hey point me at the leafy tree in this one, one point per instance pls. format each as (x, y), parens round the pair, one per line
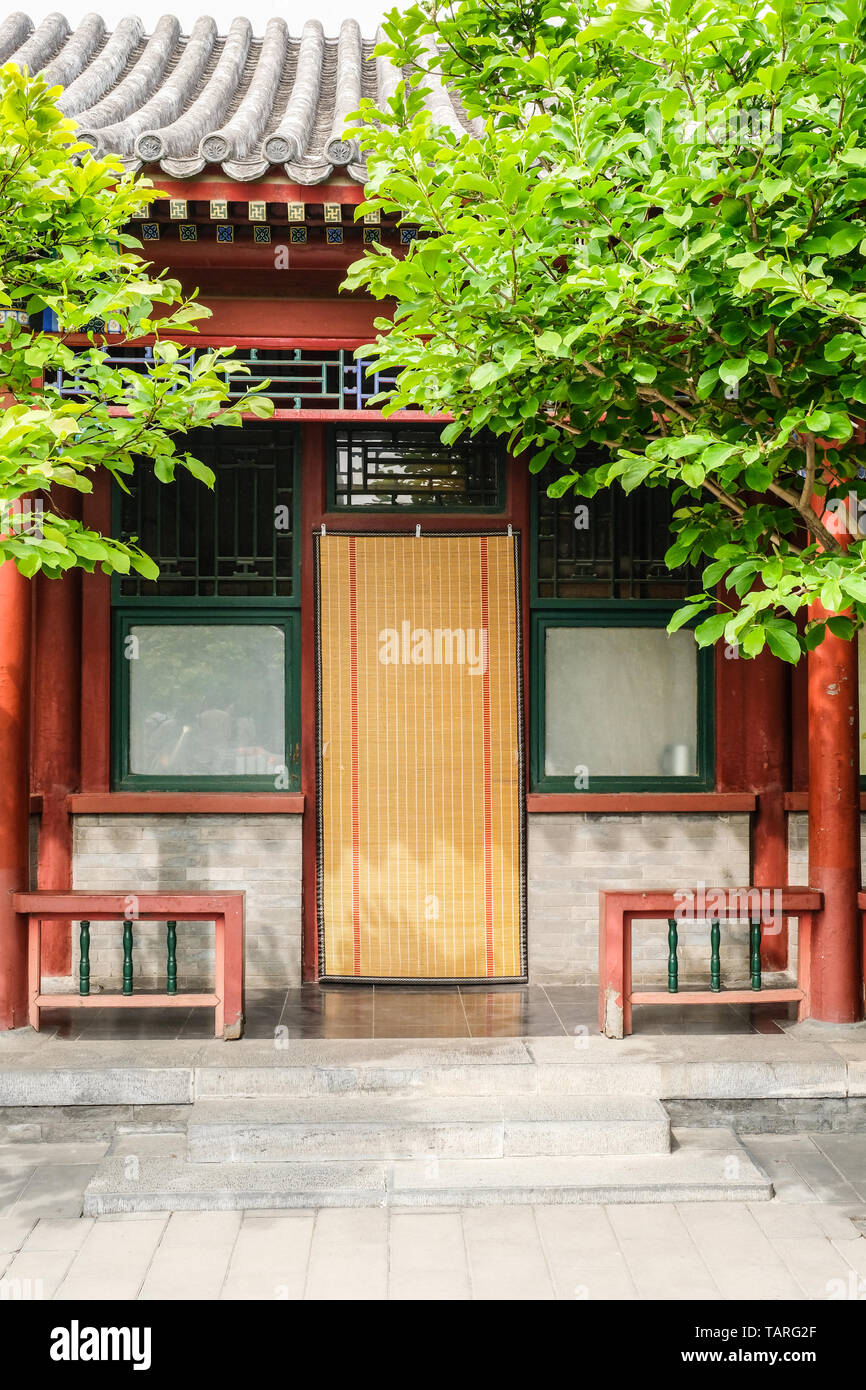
(63, 249)
(653, 241)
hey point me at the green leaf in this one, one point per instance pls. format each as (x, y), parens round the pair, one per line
(685, 615)
(711, 629)
(733, 369)
(784, 644)
(486, 374)
(840, 626)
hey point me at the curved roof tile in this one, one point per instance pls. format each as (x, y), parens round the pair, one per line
(238, 101)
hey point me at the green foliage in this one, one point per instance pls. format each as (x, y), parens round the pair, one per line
(63, 248)
(653, 241)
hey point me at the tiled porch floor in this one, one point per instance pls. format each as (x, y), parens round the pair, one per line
(407, 1011)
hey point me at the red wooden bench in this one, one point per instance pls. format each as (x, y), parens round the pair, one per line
(225, 910)
(618, 910)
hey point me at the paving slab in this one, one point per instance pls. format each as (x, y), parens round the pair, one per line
(113, 1260)
(35, 1274)
(427, 1257)
(59, 1233)
(348, 1256)
(506, 1255)
(270, 1256)
(583, 1254)
(14, 1231)
(737, 1252)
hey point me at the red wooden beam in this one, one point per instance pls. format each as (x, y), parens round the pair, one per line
(279, 257)
(671, 802)
(186, 803)
(269, 190)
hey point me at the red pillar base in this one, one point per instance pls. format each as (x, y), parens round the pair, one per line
(836, 967)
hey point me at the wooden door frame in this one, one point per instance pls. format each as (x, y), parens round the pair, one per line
(314, 513)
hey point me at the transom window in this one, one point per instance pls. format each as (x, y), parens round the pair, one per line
(409, 467)
(235, 541)
(611, 546)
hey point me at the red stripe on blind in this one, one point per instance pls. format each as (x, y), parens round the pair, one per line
(353, 704)
(488, 762)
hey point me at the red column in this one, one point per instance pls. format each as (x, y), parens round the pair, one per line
(834, 829)
(753, 752)
(55, 744)
(768, 751)
(15, 601)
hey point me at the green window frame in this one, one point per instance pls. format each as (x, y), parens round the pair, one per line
(435, 507)
(626, 614)
(550, 612)
(126, 780)
(148, 609)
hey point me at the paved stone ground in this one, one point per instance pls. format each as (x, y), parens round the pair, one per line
(806, 1244)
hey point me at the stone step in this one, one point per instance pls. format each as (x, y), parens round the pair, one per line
(379, 1126)
(102, 1085)
(704, 1166)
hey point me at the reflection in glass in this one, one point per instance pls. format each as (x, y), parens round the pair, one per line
(206, 700)
(620, 702)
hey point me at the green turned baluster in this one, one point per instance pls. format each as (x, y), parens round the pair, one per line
(715, 967)
(755, 946)
(127, 958)
(84, 959)
(673, 984)
(171, 943)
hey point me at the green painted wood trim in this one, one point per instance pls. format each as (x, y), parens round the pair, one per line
(127, 957)
(127, 616)
(84, 958)
(715, 963)
(755, 952)
(673, 968)
(171, 953)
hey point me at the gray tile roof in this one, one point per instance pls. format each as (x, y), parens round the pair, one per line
(186, 101)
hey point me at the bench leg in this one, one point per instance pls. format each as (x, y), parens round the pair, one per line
(34, 968)
(804, 962)
(219, 975)
(612, 1000)
(233, 983)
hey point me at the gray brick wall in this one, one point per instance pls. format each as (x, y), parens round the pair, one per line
(572, 857)
(260, 854)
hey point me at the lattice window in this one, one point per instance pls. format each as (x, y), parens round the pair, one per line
(412, 468)
(608, 546)
(236, 541)
(299, 379)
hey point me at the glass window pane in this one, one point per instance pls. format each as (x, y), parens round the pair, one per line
(206, 700)
(620, 702)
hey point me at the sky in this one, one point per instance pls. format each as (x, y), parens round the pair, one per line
(330, 12)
